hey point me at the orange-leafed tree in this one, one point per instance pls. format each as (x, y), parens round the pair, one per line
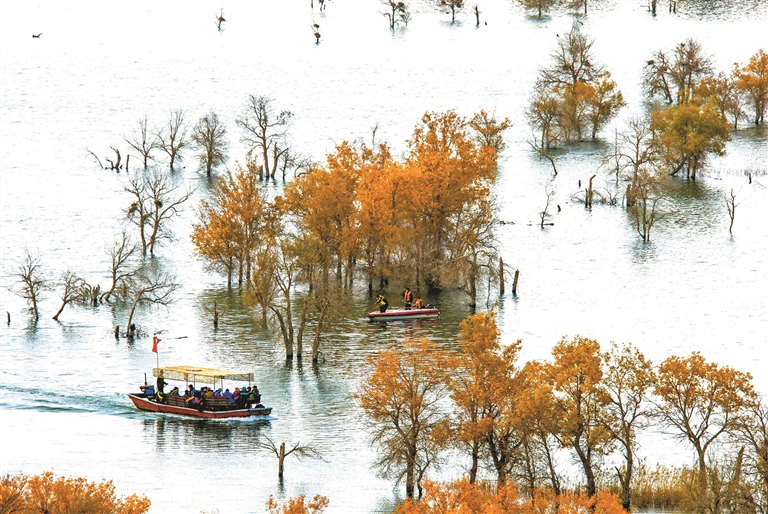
(234, 224)
(700, 401)
(404, 403)
(322, 203)
(535, 419)
(545, 501)
(580, 402)
(452, 172)
(684, 135)
(752, 80)
(461, 497)
(48, 494)
(298, 505)
(379, 196)
(482, 389)
(489, 131)
(628, 380)
(574, 96)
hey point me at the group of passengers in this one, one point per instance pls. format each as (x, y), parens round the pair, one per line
(240, 398)
(196, 398)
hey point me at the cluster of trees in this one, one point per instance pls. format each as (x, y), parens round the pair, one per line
(695, 123)
(155, 199)
(702, 105)
(428, 219)
(515, 420)
(207, 137)
(574, 97)
(48, 494)
(132, 282)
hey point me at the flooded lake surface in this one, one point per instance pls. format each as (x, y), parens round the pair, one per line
(101, 66)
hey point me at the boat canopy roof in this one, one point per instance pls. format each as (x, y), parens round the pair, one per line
(199, 374)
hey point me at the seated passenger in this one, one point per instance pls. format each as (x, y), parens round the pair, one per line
(208, 392)
(228, 396)
(174, 391)
(419, 303)
(217, 394)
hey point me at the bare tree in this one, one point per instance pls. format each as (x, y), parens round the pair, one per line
(142, 141)
(216, 311)
(397, 11)
(542, 152)
(172, 138)
(730, 203)
(150, 287)
(682, 71)
(643, 197)
(452, 5)
(120, 252)
(634, 148)
(281, 453)
(315, 27)
(573, 61)
(33, 282)
(545, 215)
(219, 20)
(265, 130)
(74, 289)
(156, 199)
(209, 136)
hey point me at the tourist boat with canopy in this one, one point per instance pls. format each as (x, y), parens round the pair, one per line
(216, 407)
(402, 314)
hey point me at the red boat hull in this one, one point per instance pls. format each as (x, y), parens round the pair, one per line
(150, 406)
(397, 315)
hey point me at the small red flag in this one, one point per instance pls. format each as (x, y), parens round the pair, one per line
(155, 340)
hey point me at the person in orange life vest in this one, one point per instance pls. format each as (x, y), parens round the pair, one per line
(407, 299)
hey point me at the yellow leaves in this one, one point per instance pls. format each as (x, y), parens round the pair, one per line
(753, 80)
(235, 222)
(461, 497)
(298, 505)
(46, 494)
(693, 384)
(686, 133)
(408, 378)
(577, 365)
(366, 207)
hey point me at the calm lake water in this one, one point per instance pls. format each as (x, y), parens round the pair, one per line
(100, 66)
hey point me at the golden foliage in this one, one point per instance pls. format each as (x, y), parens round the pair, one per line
(686, 134)
(752, 79)
(461, 497)
(298, 505)
(700, 400)
(403, 402)
(47, 494)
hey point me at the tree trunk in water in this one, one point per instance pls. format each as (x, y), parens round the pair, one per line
(280, 460)
(409, 474)
(501, 276)
(514, 282)
(56, 316)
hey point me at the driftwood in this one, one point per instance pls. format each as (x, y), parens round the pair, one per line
(97, 158)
